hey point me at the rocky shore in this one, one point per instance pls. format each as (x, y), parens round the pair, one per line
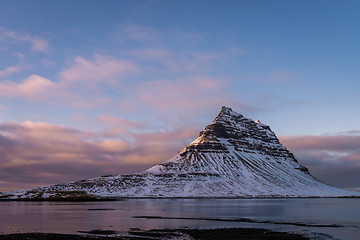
(136, 234)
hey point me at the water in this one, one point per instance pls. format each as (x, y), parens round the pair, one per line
(278, 214)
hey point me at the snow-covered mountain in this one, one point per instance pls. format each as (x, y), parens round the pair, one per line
(233, 157)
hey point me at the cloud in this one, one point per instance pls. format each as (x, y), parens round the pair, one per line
(10, 70)
(37, 44)
(120, 126)
(164, 95)
(334, 159)
(34, 87)
(39, 153)
(338, 143)
(101, 69)
(168, 100)
(19, 56)
(38, 88)
(80, 85)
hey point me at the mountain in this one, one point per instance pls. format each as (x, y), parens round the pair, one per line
(233, 156)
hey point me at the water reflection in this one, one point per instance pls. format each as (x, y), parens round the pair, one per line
(70, 217)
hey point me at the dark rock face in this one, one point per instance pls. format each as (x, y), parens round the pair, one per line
(243, 133)
(233, 156)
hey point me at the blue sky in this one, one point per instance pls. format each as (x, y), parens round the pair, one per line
(128, 76)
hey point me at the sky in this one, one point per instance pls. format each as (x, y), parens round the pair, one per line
(91, 88)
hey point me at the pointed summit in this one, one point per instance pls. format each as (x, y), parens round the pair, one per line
(223, 125)
(243, 133)
(226, 110)
(233, 156)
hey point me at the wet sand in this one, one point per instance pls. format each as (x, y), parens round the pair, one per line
(136, 234)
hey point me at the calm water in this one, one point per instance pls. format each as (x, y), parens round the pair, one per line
(70, 217)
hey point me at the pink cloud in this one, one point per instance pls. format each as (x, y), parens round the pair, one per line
(38, 153)
(120, 126)
(34, 87)
(325, 143)
(48, 154)
(37, 44)
(10, 70)
(162, 62)
(101, 69)
(20, 56)
(169, 99)
(87, 75)
(37, 88)
(333, 159)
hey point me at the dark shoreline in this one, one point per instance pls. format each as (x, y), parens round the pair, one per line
(196, 234)
(168, 198)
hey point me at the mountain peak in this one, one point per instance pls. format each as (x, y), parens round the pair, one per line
(226, 110)
(231, 130)
(231, 125)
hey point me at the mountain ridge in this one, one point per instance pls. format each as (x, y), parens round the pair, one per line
(233, 156)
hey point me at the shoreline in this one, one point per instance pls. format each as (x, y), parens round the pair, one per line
(71, 199)
(187, 233)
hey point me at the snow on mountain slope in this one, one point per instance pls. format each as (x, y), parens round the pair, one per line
(233, 157)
